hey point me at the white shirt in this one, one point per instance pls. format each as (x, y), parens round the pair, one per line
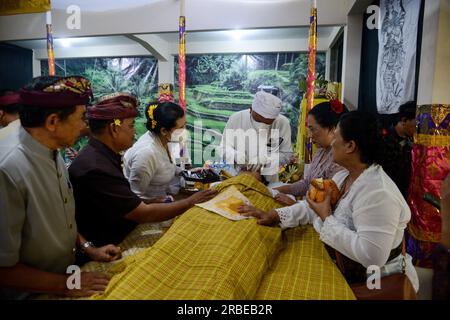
(148, 168)
(366, 225)
(243, 120)
(11, 128)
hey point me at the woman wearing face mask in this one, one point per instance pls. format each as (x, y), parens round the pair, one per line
(148, 164)
(322, 121)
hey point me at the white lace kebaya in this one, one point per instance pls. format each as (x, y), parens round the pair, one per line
(366, 224)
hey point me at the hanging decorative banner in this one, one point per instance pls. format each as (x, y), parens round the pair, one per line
(10, 7)
(311, 82)
(312, 56)
(430, 166)
(182, 58)
(50, 52)
(397, 39)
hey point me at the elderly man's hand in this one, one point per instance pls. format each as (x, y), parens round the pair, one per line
(104, 254)
(202, 196)
(91, 283)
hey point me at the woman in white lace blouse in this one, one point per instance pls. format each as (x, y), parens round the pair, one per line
(322, 121)
(368, 222)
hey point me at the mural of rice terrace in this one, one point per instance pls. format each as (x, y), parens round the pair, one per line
(220, 85)
(216, 85)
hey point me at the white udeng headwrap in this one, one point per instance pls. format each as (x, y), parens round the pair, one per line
(266, 105)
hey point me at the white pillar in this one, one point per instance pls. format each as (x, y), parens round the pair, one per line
(328, 64)
(166, 71)
(434, 74)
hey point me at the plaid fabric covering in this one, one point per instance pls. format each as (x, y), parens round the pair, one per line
(142, 237)
(304, 271)
(205, 256)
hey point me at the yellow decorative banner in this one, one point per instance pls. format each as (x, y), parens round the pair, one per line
(10, 7)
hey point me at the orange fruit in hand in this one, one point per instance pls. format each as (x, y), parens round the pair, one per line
(319, 188)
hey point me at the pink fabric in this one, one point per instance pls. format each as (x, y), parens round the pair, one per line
(322, 166)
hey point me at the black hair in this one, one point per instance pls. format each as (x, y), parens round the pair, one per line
(165, 115)
(325, 116)
(98, 126)
(364, 129)
(407, 110)
(35, 116)
(12, 108)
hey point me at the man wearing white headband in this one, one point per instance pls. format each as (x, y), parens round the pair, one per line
(272, 130)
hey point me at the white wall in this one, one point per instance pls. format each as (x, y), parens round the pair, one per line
(434, 76)
(36, 65)
(352, 60)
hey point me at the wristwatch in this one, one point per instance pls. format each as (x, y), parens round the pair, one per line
(86, 245)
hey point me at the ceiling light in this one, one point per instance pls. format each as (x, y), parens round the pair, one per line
(237, 34)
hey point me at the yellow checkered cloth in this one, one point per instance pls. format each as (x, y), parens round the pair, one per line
(304, 271)
(206, 256)
(142, 237)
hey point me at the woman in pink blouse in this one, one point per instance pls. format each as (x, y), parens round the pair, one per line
(322, 121)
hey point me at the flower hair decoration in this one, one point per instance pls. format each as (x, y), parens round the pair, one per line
(117, 122)
(150, 110)
(336, 106)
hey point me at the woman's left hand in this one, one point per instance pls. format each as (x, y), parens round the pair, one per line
(322, 209)
(106, 253)
(264, 218)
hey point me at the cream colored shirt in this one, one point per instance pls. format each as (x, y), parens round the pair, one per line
(37, 208)
(243, 120)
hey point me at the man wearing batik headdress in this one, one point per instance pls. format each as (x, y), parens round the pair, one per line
(38, 232)
(269, 134)
(106, 207)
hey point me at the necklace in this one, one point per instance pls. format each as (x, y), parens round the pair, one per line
(165, 147)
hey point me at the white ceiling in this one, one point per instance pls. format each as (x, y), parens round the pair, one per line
(204, 36)
(102, 5)
(256, 34)
(106, 5)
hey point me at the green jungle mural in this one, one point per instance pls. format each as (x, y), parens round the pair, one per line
(217, 85)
